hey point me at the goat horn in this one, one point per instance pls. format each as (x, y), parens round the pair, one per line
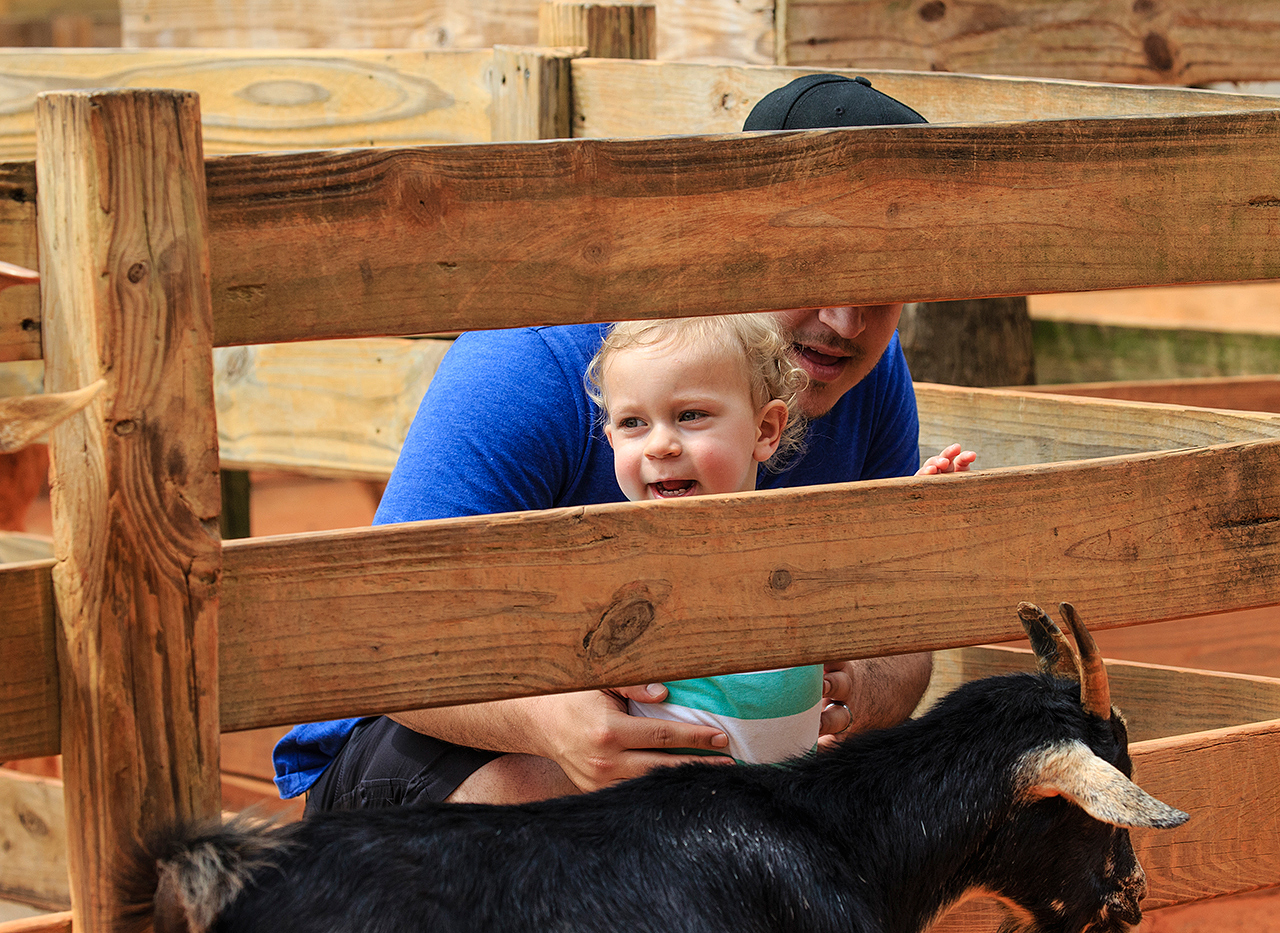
(1054, 653)
(23, 418)
(1095, 693)
(16, 275)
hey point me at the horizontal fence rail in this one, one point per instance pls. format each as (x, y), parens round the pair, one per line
(362, 242)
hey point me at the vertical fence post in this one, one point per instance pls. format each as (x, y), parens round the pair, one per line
(124, 265)
(605, 30)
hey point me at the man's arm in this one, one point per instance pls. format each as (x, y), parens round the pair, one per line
(588, 734)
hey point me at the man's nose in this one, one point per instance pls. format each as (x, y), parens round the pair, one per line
(848, 322)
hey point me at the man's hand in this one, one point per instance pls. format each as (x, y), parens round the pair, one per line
(874, 693)
(951, 460)
(596, 742)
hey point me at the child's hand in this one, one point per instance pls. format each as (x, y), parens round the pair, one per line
(951, 460)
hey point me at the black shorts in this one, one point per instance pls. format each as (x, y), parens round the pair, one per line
(384, 764)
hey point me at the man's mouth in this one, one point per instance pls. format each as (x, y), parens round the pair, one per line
(821, 366)
(673, 489)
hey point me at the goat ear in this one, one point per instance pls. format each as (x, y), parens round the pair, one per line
(1071, 770)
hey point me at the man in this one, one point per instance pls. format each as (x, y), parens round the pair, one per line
(506, 425)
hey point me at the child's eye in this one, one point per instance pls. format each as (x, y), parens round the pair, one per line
(692, 415)
(629, 422)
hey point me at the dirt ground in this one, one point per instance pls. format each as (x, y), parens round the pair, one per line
(283, 503)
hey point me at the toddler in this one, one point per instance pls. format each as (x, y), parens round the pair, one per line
(691, 407)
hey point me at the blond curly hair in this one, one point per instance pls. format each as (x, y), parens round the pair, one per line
(766, 353)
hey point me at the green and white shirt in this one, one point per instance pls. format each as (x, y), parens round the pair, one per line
(767, 715)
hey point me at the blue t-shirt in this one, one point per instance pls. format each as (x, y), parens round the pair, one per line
(506, 425)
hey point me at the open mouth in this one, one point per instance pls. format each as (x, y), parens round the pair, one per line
(673, 489)
(821, 366)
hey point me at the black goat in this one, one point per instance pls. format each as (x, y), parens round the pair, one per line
(1014, 786)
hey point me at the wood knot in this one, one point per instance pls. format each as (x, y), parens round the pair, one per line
(933, 11)
(1159, 55)
(137, 272)
(628, 616)
(780, 579)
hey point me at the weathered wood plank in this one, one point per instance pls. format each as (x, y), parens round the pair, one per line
(1008, 427)
(254, 99)
(449, 238)
(722, 30)
(385, 24)
(1226, 779)
(33, 841)
(1242, 393)
(1157, 700)
(124, 269)
(604, 30)
(978, 211)
(1242, 642)
(333, 408)
(1101, 40)
(468, 609)
(48, 923)
(531, 93)
(1234, 309)
(29, 705)
(665, 98)
(1068, 351)
(354, 609)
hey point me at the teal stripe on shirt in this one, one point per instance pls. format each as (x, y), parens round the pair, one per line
(779, 693)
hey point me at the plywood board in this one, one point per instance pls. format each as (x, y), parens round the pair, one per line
(251, 100)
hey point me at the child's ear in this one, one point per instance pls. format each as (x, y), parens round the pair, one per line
(770, 421)
(608, 433)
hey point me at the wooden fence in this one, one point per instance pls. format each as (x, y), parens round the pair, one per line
(163, 637)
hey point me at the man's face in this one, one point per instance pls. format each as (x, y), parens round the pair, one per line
(837, 347)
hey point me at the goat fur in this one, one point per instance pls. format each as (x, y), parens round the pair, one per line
(992, 791)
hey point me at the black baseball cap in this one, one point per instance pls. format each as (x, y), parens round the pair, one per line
(822, 100)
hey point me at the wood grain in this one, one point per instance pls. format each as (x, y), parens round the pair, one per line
(666, 98)
(531, 93)
(1099, 40)
(708, 30)
(253, 99)
(604, 30)
(1243, 393)
(1008, 427)
(29, 674)
(384, 24)
(467, 609)
(124, 280)
(333, 408)
(449, 238)
(1157, 700)
(33, 841)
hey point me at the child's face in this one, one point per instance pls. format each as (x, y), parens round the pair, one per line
(682, 422)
